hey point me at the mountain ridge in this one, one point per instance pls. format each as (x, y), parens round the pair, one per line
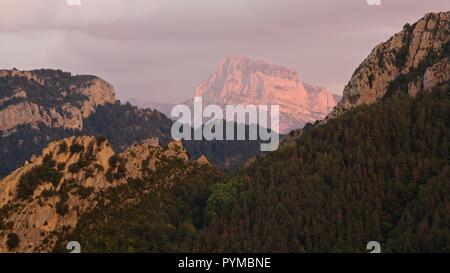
(52, 97)
(413, 60)
(239, 80)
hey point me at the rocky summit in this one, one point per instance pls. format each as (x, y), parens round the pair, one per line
(240, 80)
(413, 60)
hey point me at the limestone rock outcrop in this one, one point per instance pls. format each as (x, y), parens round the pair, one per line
(413, 60)
(51, 97)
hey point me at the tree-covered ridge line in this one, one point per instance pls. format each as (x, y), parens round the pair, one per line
(46, 87)
(123, 125)
(378, 172)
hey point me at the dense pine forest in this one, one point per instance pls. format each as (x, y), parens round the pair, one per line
(378, 172)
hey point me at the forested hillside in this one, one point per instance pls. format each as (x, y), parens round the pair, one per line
(123, 125)
(378, 172)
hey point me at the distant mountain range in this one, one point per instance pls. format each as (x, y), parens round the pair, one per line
(241, 81)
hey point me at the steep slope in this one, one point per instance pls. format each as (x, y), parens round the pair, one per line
(123, 125)
(239, 80)
(415, 59)
(378, 172)
(157, 220)
(47, 196)
(375, 173)
(40, 106)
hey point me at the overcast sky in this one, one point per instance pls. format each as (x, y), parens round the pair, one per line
(160, 50)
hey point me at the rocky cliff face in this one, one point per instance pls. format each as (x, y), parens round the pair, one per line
(50, 192)
(51, 97)
(415, 59)
(239, 80)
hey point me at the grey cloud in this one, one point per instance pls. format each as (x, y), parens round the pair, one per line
(162, 49)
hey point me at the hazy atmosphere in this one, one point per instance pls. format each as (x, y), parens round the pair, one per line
(160, 50)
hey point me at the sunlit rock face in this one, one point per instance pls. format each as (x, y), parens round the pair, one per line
(239, 80)
(413, 60)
